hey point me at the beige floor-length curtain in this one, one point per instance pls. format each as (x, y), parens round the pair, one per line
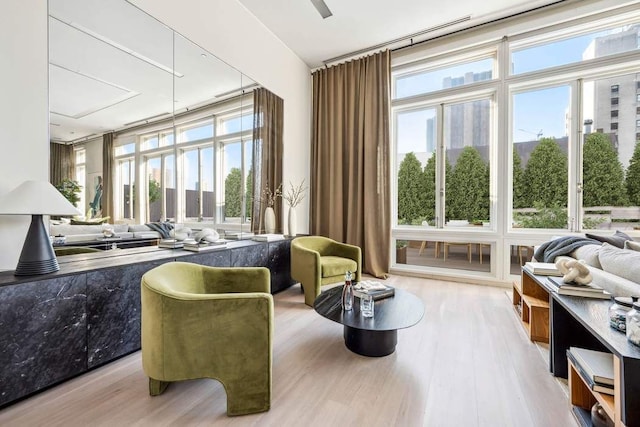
(350, 157)
(267, 154)
(62, 161)
(107, 176)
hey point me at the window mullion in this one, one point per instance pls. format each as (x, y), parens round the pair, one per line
(441, 155)
(576, 138)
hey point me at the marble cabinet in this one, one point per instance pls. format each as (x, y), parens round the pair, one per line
(57, 326)
(279, 263)
(113, 312)
(43, 329)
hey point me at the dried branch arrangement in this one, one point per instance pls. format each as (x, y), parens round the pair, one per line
(268, 197)
(294, 194)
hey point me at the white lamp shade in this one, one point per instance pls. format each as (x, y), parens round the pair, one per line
(36, 198)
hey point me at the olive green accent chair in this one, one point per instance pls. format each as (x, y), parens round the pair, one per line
(207, 322)
(317, 261)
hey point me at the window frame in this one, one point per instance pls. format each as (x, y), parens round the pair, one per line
(167, 129)
(502, 236)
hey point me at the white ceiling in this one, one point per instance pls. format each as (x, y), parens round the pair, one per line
(111, 65)
(359, 24)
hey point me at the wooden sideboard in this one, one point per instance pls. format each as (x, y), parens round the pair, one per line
(584, 322)
(57, 326)
(567, 321)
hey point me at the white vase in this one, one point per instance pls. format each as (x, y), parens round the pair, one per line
(292, 222)
(269, 220)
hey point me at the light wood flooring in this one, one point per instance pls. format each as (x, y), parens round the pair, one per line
(467, 363)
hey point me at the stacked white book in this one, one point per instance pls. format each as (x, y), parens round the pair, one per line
(578, 290)
(170, 244)
(238, 235)
(376, 289)
(268, 237)
(194, 246)
(542, 268)
(595, 367)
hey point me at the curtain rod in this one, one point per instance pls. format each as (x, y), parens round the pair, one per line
(399, 39)
(492, 21)
(438, 27)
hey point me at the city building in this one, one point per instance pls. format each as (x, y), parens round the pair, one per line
(614, 103)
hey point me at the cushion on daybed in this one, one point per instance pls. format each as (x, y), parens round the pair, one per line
(589, 254)
(632, 245)
(624, 263)
(616, 240)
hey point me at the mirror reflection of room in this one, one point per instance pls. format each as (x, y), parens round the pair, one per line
(147, 127)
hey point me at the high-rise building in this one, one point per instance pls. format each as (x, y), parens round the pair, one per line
(467, 124)
(614, 103)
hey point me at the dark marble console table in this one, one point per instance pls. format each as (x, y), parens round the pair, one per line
(56, 326)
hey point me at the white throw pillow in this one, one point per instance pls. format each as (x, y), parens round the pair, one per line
(588, 253)
(632, 245)
(621, 262)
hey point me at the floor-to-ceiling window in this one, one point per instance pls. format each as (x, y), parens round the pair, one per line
(444, 130)
(532, 133)
(197, 169)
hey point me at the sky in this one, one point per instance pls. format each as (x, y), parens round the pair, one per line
(232, 152)
(540, 112)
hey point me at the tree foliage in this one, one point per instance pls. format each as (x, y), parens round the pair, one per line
(411, 190)
(519, 191)
(154, 190)
(468, 187)
(430, 188)
(603, 174)
(249, 193)
(554, 216)
(545, 175)
(632, 181)
(233, 193)
(70, 189)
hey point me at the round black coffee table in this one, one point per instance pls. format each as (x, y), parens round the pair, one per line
(371, 336)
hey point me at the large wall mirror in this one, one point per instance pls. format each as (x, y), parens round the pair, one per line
(177, 121)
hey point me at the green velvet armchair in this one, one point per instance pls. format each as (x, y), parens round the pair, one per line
(317, 261)
(207, 322)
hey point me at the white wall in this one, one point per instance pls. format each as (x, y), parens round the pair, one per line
(232, 33)
(24, 111)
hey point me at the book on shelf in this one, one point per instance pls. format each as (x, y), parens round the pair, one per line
(204, 247)
(585, 294)
(267, 237)
(193, 243)
(578, 290)
(542, 268)
(238, 235)
(376, 289)
(193, 246)
(170, 244)
(558, 283)
(595, 367)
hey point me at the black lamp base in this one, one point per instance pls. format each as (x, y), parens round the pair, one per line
(37, 256)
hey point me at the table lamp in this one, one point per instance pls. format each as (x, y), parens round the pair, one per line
(36, 198)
